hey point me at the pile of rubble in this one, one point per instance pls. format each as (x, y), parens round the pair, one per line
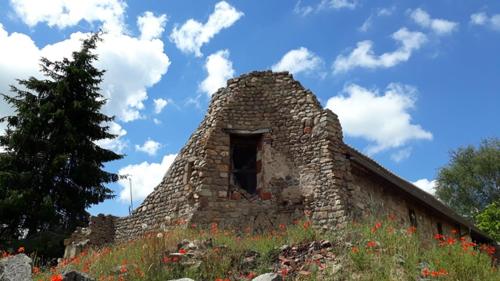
(305, 258)
(289, 261)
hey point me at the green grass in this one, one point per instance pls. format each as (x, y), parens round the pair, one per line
(381, 251)
(385, 251)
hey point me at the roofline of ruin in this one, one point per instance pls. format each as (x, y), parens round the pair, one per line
(413, 190)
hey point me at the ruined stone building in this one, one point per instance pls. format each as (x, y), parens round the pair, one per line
(266, 152)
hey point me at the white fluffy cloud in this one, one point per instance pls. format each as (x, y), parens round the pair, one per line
(132, 65)
(159, 105)
(15, 64)
(66, 13)
(117, 144)
(219, 69)
(426, 185)
(383, 119)
(150, 147)
(363, 55)
(151, 26)
(297, 61)
(145, 177)
(192, 35)
(439, 26)
(481, 18)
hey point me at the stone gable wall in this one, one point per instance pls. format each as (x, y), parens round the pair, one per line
(302, 161)
(302, 164)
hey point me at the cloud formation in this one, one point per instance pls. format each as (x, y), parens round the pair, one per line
(159, 105)
(219, 69)
(67, 13)
(151, 26)
(132, 65)
(483, 19)
(297, 61)
(381, 12)
(117, 144)
(337, 4)
(304, 10)
(426, 185)
(192, 35)
(383, 119)
(149, 147)
(438, 26)
(145, 177)
(401, 154)
(363, 55)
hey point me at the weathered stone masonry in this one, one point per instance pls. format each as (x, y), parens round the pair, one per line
(301, 163)
(266, 152)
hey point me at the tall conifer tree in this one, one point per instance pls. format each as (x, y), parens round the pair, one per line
(52, 168)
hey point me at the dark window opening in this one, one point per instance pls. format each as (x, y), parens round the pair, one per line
(244, 161)
(440, 228)
(458, 231)
(413, 217)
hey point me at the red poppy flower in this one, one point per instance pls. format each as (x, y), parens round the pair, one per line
(425, 272)
(57, 277)
(307, 224)
(439, 237)
(411, 230)
(284, 272)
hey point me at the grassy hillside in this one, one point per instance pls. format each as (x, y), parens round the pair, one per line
(382, 251)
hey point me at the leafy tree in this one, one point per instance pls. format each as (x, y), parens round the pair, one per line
(471, 181)
(52, 169)
(489, 220)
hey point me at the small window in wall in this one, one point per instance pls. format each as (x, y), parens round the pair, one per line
(244, 161)
(457, 230)
(413, 217)
(440, 228)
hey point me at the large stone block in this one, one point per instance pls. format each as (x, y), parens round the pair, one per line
(15, 268)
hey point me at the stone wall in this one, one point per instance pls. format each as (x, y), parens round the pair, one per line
(302, 165)
(373, 196)
(101, 231)
(299, 155)
(301, 160)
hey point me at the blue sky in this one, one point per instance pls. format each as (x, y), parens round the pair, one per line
(410, 81)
